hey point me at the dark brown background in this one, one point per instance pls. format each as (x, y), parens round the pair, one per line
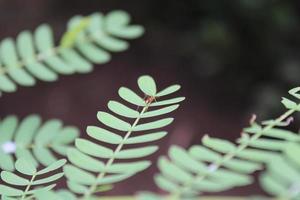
(232, 58)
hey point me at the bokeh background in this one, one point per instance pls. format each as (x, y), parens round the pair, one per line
(232, 58)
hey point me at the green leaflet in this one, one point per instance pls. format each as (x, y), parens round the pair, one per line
(281, 184)
(23, 166)
(13, 179)
(166, 184)
(76, 188)
(31, 140)
(145, 138)
(122, 110)
(93, 149)
(113, 122)
(168, 90)
(52, 167)
(89, 169)
(136, 152)
(103, 135)
(9, 191)
(79, 176)
(147, 85)
(282, 176)
(87, 40)
(218, 145)
(32, 185)
(131, 97)
(153, 125)
(84, 161)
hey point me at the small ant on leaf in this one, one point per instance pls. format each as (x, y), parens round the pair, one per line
(150, 99)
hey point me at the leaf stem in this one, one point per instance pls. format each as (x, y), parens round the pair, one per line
(28, 187)
(93, 187)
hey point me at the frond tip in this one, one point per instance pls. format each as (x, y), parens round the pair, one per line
(89, 170)
(88, 40)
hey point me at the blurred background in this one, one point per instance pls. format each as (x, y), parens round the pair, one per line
(232, 58)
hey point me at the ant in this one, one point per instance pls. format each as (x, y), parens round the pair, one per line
(149, 99)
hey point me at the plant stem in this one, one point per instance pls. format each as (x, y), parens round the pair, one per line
(176, 195)
(28, 187)
(93, 187)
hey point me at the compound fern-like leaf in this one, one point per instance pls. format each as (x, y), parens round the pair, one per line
(32, 181)
(88, 40)
(31, 139)
(126, 125)
(218, 165)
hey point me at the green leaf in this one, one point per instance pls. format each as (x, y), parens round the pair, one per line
(44, 155)
(103, 135)
(77, 188)
(279, 134)
(136, 152)
(25, 167)
(268, 144)
(122, 110)
(165, 184)
(168, 90)
(272, 186)
(130, 167)
(85, 162)
(289, 104)
(13, 179)
(204, 154)
(113, 178)
(48, 179)
(41, 190)
(113, 122)
(292, 151)
(66, 135)
(93, 149)
(170, 170)
(159, 112)
(294, 92)
(115, 23)
(27, 130)
(211, 186)
(78, 175)
(219, 145)
(9, 191)
(36, 56)
(242, 166)
(153, 125)
(54, 166)
(131, 97)
(8, 126)
(257, 155)
(147, 85)
(231, 177)
(7, 162)
(145, 138)
(47, 132)
(168, 102)
(181, 158)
